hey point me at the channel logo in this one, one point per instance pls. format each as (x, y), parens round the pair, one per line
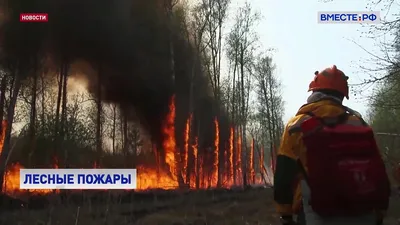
(362, 17)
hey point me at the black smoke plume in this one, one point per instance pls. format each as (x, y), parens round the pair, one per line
(128, 43)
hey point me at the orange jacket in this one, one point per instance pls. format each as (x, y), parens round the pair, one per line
(287, 191)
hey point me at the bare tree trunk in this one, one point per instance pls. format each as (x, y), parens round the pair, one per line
(219, 158)
(98, 120)
(233, 121)
(63, 122)
(121, 129)
(273, 108)
(135, 142)
(221, 154)
(191, 140)
(244, 120)
(261, 166)
(169, 5)
(264, 81)
(5, 153)
(234, 155)
(3, 87)
(114, 128)
(190, 158)
(169, 11)
(32, 125)
(199, 173)
(58, 107)
(198, 39)
(125, 133)
(256, 160)
(214, 18)
(43, 113)
(12, 84)
(219, 55)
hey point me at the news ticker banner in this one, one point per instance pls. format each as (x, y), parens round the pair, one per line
(355, 17)
(77, 179)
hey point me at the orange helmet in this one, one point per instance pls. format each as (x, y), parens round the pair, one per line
(330, 79)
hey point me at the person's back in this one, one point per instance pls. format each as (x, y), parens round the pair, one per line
(325, 150)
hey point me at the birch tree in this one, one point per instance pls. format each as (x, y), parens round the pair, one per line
(269, 101)
(214, 13)
(241, 44)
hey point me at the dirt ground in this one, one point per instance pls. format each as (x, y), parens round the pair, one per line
(253, 207)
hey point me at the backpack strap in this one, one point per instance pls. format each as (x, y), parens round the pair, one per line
(355, 113)
(331, 121)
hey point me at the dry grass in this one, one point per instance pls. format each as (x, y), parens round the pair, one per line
(245, 208)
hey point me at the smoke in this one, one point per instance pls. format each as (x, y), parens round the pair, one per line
(127, 45)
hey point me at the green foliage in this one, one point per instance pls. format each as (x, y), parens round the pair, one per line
(385, 119)
(384, 110)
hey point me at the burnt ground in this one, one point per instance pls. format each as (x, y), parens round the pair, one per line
(224, 207)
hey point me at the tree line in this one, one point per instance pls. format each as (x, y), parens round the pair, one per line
(384, 76)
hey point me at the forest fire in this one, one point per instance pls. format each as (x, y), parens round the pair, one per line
(239, 158)
(186, 152)
(12, 180)
(252, 174)
(216, 152)
(169, 142)
(231, 143)
(194, 167)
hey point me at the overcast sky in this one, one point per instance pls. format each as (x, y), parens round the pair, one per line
(304, 46)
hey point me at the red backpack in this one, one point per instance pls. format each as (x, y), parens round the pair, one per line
(346, 174)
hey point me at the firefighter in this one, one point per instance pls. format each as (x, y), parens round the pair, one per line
(298, 178)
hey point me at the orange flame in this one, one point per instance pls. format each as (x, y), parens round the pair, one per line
(216, 151)
(55, 164)
(169, 143)
(226, 168)
(262, 159)
(201, 169)
(239, 156)
(186, 152)
(195, 153)
(273, 159)
(151, 178)
(12, 178)
(3, 134)
(252, 160)
(157, 159)
(231, 156)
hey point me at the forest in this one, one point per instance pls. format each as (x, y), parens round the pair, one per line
(145, 87)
